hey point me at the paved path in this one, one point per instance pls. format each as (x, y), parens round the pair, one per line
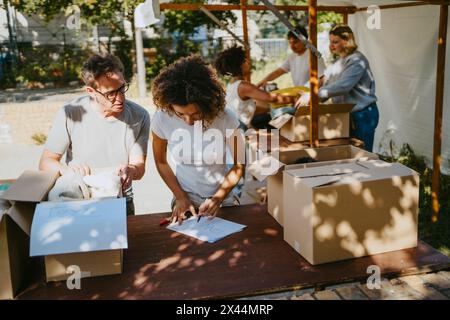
(431, 286)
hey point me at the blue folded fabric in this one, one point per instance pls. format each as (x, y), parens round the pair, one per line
(275, 113)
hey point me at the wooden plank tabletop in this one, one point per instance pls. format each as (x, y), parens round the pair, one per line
(161, 264)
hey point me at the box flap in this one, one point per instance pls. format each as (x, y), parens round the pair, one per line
(347, 173)
(324, 175)
(31, 186)
(79, 226)
(264, 167)
(280, 121)
(327, 109)
(22, 214)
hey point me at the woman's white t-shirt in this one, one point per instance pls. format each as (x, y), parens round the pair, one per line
(298, 66)
(244, 109)
(200, 155)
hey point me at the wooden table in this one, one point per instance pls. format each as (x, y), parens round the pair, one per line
(161, 264)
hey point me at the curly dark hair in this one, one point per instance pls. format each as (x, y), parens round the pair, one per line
(229, 62)
(189, 80)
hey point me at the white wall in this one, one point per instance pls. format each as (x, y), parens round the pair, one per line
(403, 55)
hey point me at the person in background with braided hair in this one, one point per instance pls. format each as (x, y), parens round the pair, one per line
(190, 98)
(240, 94)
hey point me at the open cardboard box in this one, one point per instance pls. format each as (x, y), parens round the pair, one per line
(15, 227)
(334, 122)
(87, 234)
(274, 172)
(348, 210)
(19, 203)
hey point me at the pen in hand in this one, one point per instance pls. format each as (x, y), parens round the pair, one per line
(198, 218)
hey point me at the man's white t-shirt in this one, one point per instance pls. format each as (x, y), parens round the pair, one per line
(298, 66)
(200, 165)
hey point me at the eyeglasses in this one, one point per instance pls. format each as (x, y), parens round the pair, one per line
(112, 95)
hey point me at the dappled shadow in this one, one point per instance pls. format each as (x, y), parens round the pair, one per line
(161, 264)
(353, 214)
(28, 95)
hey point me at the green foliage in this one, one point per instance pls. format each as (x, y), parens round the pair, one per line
(182, 26)
(109, 13)
(436, 234)
(50, 64)
(276, 28)
(123, 50)
(185, 23)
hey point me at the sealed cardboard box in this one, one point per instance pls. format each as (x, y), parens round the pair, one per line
(288, 160)
(89, 235)
(334, 122)
(16, 213)
(348, 210)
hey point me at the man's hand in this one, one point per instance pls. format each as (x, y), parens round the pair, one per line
(81, 169)
(127, 174)
(182, 206)
(210, 207)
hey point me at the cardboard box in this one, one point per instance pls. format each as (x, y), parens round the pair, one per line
(349, 210)
(18, 204)
(89, 234)
(334, 123)
(322, 156)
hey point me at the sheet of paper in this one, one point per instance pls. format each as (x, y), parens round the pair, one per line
(206, 229)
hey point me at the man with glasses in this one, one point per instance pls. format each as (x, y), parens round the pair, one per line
(101, 129)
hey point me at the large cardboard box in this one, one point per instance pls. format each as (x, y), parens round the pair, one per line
(321, 156)
(87, 234)
(349, 210)
(334, 122)
(16, 214)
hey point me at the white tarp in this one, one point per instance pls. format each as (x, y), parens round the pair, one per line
(403, 57)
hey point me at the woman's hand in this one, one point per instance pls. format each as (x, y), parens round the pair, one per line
(182, 206)
(303, 100)
(210, 207)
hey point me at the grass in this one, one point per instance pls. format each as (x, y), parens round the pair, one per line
(436, 234)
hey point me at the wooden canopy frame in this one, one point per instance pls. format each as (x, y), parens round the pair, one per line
(312, 8)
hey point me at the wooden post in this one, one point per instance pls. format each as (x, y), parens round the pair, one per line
(345, 18)
(245, 32)
(313, 76)
(440, 77)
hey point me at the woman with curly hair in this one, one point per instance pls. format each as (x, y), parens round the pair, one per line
(191, 106)
(241, 95)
